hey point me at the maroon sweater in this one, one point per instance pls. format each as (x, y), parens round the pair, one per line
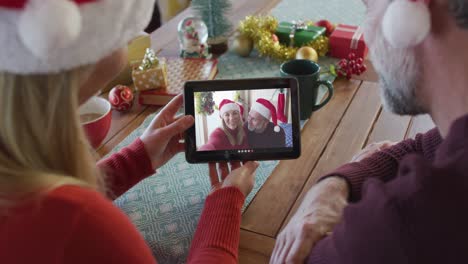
(413, 207)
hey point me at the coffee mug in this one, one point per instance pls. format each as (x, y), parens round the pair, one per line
(307, 74)
(96, 117)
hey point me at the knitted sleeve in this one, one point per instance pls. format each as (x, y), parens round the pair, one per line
(218, 233)
(384, 164)
(369, 232)
(126, 168)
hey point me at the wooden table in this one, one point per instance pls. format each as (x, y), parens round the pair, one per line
(352, 119)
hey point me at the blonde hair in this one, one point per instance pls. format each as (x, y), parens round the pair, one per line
(42, 144)
(240, 132)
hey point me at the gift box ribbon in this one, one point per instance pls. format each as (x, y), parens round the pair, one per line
(295, 26)
(356, 37)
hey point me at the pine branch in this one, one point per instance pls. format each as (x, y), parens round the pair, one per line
(213, 13)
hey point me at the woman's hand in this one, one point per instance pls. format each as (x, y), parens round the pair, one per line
(241, 177)
(161, 138)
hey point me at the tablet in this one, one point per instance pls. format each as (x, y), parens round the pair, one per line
(241, 120)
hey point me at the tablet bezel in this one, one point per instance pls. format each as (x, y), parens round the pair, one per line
(194, 156)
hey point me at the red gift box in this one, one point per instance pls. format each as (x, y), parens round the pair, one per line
(346, 39)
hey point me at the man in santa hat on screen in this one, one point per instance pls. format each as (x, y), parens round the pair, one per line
(408, 201)
(261, 132)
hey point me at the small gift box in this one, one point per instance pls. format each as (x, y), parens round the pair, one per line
(136, 52)
(347, 39)
(151, 73)
(298, 32)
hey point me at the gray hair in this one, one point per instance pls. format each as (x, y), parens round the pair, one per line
(459, 9)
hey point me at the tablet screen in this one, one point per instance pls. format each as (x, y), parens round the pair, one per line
(243, 121)
(249, 119)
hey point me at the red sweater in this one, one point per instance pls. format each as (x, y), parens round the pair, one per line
(412, 208)
(76, 225)
(219, 141)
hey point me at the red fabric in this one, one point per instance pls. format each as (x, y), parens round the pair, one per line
(126, 168)
(12, 3)
(19, 4)
(219, 141)
(218, 233)
(281, 102)
(270, 107)
(412, 207)
(384, 164)
(72, 224)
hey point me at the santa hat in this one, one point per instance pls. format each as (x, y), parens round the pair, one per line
(46, 36)
(266, 109)
(228, 105)
(406, 23)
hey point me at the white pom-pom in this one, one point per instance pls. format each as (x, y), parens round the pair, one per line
(49, 25)
(276, 129)
(406, 23)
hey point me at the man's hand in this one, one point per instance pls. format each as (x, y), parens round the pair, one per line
(371, 149)
(241, 177)
(161, 138)
(319, 212)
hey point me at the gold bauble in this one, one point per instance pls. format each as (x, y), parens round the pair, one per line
(242, 45)
(307, 53)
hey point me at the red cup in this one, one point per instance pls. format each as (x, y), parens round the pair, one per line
(96, 117)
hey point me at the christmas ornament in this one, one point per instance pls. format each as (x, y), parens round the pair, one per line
(242, 45)
(326, 24)
(121, 98)
(193, 35)
(352, 65)
(406, 23)
(260, 30)
(307, 53)
(204, 103)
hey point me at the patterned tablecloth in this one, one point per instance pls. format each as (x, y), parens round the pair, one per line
(166, 207)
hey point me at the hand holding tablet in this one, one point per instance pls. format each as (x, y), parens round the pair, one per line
(249, 119)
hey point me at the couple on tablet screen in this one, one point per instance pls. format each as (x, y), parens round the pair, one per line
(257, 132)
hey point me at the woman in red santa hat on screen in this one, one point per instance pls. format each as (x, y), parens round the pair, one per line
(55, 202)
(231, 134)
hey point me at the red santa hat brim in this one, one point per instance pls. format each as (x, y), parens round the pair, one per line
(229, 107)
(266, 109)
(47, 36)
(262, 110)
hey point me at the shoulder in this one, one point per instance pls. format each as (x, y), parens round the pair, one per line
(86, 204)
(271, 127)
(75, 197)
(97, 222)
(217, 135)
(217, 132)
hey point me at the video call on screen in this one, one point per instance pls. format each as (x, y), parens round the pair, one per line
(243, 121)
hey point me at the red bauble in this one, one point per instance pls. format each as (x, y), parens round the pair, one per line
(121, 98)
(327, 25)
